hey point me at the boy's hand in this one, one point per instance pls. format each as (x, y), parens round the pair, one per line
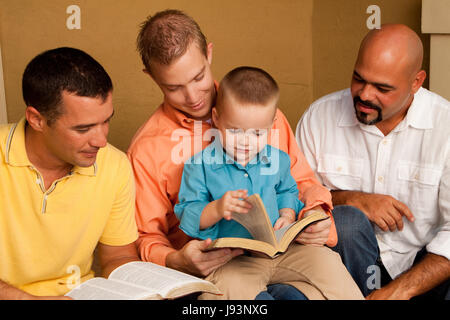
(287, 216)
(233, 201)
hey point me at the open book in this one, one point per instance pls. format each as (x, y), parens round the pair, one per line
(141, 281)
(265, 239)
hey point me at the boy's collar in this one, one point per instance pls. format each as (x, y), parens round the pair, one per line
(262, 158)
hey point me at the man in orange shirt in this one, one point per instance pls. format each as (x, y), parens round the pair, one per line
(177, 57)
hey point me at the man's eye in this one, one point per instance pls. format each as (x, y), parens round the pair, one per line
(200, 78)
(82, 130)
(382, 90)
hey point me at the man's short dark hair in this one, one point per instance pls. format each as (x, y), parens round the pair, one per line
(62, 69)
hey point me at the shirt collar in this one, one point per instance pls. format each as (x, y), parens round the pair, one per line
(347, 118)
(417, 116)
(16, 153)
(262, 158)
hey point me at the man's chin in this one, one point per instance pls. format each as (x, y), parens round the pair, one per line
(85, 163)
(364, 119)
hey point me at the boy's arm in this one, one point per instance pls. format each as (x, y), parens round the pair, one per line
(195, 211)
(286, 189)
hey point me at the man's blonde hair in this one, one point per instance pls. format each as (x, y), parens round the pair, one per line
(166, 36)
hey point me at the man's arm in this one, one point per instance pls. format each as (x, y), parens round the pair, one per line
(111, 257)
(383, 210)
(422, 277)
(8, 292)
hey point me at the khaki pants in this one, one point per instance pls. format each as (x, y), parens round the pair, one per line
(316, 271)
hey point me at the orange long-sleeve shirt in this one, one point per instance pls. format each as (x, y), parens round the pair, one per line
(158, 152)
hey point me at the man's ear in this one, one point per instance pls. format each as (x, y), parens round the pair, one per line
(35, 119)
(418, 80)
(209, 52)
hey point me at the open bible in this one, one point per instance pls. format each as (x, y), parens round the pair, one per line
(265, 239)
(141, 281)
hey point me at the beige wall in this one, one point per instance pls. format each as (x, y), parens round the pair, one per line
(309, 46)
(338, 28)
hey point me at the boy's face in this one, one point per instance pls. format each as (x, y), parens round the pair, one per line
(244, 128)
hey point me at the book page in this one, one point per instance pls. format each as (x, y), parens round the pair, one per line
(104, 289)
(153, 276)
(256, 221)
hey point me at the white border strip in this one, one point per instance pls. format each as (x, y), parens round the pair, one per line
(3, 114)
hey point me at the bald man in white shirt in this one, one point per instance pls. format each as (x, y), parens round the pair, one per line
(383, 147)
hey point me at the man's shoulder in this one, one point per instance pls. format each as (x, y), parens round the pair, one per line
(329, 108)
(5, 129)
(111, 158)
(436, 100)
(436, 107)
(156, 131)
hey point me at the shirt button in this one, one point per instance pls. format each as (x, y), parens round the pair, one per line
(380, 179)
(246, 175)
(339, 169)
(385, 142)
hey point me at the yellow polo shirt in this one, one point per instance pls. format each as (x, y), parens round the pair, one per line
(47, 237)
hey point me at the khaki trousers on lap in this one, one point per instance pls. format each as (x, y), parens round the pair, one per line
(316, 271)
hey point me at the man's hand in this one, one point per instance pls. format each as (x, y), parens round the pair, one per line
(383, 210)
(317, 233)
(193, 258)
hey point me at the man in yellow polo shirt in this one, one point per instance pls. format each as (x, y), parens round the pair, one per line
(63, 189)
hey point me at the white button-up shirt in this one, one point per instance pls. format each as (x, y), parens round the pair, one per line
(411, 164)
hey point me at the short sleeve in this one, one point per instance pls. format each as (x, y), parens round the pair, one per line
(121, 226)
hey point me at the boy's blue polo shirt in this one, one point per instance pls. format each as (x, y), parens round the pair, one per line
(211, 172)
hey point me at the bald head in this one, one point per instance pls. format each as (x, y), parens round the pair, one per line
(394, 44)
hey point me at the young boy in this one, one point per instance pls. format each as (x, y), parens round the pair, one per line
(238, 163)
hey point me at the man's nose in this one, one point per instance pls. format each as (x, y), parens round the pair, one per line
(367, 92)
(191, 94)
(99, 138)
